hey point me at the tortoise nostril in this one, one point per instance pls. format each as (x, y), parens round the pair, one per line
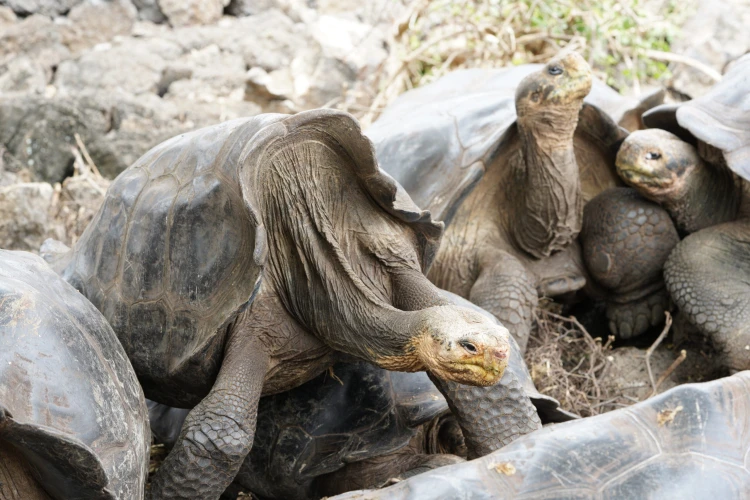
(500, 353)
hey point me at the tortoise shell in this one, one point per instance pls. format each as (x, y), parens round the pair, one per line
(178, 246)
(436, 139)
(69, 400)
(720, 118)
(689, 442)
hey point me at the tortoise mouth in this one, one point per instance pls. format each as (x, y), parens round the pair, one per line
(636, 177)
(473, 371)
(573, 89)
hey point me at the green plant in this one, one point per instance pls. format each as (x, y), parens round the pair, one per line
(625, 43)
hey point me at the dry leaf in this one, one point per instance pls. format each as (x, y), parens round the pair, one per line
(506, 468)
(667, 416)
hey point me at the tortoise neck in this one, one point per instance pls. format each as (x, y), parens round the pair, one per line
(711, 196)
(331, 272)
(545, 187)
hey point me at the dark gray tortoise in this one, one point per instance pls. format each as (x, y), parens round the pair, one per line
(356, 412)
(239, 260)
(697, 166)
(689, 442)
(73, 421)
(507, 159)
(307, 439)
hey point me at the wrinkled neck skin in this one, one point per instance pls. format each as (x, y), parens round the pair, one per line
(709, 197)
(545, 188)
(332, 253)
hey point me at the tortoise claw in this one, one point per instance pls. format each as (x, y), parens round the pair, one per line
(634, 318)
(553, 287)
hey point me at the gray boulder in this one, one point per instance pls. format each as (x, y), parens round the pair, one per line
(22, 75)
(134, 66)
(192, 12)
(93, 21)
(24, 215)
(50, 8)
(39, 133)
(149, 10)
(715, 35)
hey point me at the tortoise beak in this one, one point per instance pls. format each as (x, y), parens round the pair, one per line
(490, 363)
(630, 169)
(576, 81)
(496, 361)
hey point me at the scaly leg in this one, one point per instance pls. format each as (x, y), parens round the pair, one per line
(626, 239)
(218, 433)
(708, 277)
(506, 289)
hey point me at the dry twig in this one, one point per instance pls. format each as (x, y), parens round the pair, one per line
(653, 347)
(570, 365)
(687, 61)
(677, 362)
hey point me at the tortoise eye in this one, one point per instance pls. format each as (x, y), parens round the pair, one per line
(653, 156)
(555, 70)
(468, 346)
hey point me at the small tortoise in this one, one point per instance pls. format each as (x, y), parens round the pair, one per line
(506, 158)
(701, 176)
(689, 442)
(240, 259)
(73, 421)
(366, 415)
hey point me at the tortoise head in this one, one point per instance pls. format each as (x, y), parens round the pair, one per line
(658, 164)
(461, 345)
(562, 82)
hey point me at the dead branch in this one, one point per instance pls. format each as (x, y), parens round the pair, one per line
(677, 362)
(653, 347)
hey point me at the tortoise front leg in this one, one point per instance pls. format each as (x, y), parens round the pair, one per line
(490, 417)
(506, 289)
(626, 240)
(218, 433)
(708, 277)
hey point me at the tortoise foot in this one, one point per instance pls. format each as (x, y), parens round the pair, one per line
(631, 319)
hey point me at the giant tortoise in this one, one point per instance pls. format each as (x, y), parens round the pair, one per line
(689, 442)
(73, 421)
(506, 158)
(239, 260)
(701, 176)
(308, 438)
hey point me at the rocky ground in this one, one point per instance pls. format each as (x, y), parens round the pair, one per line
(88, 86)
